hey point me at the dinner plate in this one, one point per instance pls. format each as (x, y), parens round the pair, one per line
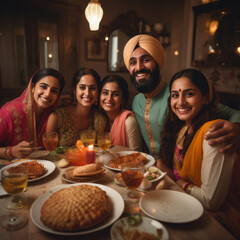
(49, 166)
(115, 197)
(2, 191)
(147, 225)
(85, 180)
(171, 206)
(106, 159)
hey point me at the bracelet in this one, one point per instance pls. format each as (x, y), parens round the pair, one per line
(189, 188)
(6, 153)
(184, 186)
(10, 152)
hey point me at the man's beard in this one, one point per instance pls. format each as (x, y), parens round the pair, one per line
(145, 86)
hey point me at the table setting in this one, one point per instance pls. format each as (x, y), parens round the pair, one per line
(166, 213)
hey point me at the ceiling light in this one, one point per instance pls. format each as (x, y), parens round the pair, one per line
(94, 14)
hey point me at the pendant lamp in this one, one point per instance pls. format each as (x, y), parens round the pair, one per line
(94, 14)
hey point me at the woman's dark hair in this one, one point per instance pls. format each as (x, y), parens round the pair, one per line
(86, 71)
(172, 124)
(49, 72)
(121, 83)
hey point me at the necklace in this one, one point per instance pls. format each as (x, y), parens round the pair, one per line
(182, 134)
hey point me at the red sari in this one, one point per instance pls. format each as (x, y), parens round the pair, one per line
(17, 121)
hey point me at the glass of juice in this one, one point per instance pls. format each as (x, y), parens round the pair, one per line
(104, 140)
(50, 142)
(132, 176)
(88, 137)
(14, 182)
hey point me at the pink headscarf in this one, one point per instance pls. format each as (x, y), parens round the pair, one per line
(17, 120)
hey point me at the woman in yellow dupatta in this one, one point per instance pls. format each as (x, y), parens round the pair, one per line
(23, 120)
(200, 169)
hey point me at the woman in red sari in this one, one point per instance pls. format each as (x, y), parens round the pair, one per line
(23, 120)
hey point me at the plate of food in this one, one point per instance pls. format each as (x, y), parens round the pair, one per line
(171, 206)
(62, 217)
(116, 163)
(37, 169)
(136, 226)
(88, 173)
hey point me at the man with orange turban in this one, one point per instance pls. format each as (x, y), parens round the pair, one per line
(144, 58)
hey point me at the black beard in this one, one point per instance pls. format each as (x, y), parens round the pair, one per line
(145, 86)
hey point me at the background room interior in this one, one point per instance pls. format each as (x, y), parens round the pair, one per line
(40, 33)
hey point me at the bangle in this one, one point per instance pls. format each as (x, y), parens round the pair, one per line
(10, 152)
(6, 153)
(184, 186)
(189, 188)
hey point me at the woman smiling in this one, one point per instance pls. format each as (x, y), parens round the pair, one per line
(23, 120)
(122, 122)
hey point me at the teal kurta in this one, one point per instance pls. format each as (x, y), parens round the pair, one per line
(157, 113)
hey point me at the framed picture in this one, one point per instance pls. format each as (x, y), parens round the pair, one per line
(96, 49)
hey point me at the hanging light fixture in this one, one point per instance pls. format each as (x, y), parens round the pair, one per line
(94, 14)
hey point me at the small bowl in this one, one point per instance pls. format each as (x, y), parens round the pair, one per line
(76, 157)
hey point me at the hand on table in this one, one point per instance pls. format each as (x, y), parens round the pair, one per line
(22, 149)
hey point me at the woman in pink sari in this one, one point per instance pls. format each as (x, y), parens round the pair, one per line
(123, 124)
(23, 120)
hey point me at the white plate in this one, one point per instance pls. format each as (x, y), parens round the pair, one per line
(150, 159)
(117, 202)
(49, 166)
(147, 225)
(171, 206)
(158, 178)
(2, 191)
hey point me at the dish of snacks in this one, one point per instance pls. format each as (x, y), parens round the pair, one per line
(152, 174)
(109, 204)
(138, 227)
(129, 157)
(37, 169)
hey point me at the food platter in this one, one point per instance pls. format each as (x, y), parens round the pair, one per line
(148, 225)
(49, 166)
(105, 159)
(171, 206)
(115, 197)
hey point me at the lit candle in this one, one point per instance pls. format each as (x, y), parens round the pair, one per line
(90, 154)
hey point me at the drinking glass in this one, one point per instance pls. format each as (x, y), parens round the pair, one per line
(50, 141)
(88, 137)
(14, 181)
(104, 140)
(132, 176)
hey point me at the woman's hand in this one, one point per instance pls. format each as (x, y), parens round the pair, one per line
(164, 168)
(224, 132)
(22, 149)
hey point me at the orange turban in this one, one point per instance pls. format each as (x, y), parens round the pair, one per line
(148, 43)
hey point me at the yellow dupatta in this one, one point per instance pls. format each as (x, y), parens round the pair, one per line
(192, 164)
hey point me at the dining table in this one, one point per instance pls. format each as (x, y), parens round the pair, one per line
(205, 227)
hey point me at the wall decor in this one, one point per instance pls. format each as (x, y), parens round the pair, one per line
(96, 49)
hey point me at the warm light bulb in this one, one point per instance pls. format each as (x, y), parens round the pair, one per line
(238, 50)
(213, 27)
(94, 14)
(176, 53)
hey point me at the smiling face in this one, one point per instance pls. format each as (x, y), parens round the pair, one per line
(46, 92)
(86, 91)
(144, 70)
(111, 97)
(186, 99)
